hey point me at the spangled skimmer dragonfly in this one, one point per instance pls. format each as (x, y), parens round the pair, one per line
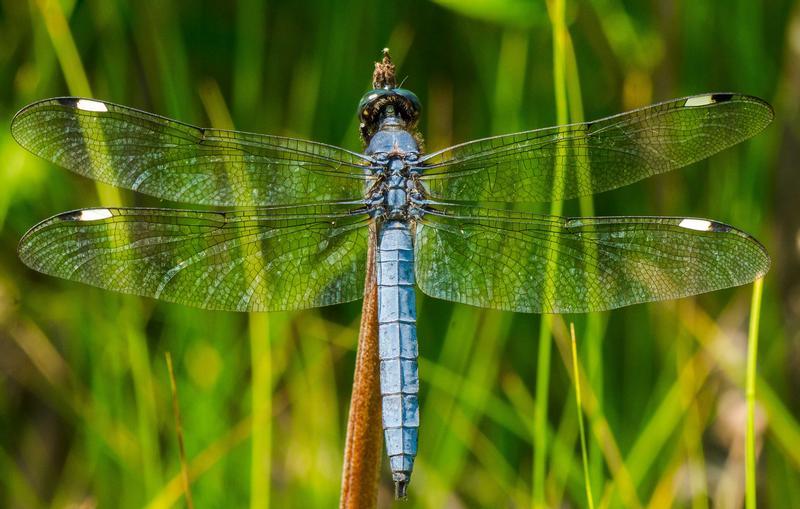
(298, 232)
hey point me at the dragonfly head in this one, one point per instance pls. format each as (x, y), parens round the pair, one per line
(379, 104)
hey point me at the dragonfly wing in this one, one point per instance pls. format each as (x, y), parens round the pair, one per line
(600, 155)
(250, 260)
(171, 160)
(543, 264)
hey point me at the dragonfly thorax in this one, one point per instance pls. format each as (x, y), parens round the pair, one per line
(392, 138)
(397, 191)
(397, 194)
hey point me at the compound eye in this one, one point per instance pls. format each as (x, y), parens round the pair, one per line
(411, 157)
(369, 99)
(381, 158)
(410, 96)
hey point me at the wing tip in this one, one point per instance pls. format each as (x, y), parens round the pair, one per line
(726, 97)
(766, 106)
(765, 260)
(68, 101)
(87, 214)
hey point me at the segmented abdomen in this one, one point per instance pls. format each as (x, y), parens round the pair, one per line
(397, 318)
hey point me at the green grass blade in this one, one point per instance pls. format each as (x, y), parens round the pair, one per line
(55, 20)
(750, 393)
(593, 331)
(556, 11)
(261, 401)
(260, 353)
(587, 480)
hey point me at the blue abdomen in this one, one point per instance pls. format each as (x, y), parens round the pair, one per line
(397, 318)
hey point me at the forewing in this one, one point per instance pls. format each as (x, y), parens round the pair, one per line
(171, 160)
(598, 156)
(253, 260)
(544, 264)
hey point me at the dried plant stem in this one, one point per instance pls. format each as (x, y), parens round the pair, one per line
(362, 453)
(176, 410)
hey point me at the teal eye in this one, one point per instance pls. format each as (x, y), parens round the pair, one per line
(410, 96)
(372, 96)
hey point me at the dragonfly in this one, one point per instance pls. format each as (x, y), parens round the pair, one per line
(291, 219)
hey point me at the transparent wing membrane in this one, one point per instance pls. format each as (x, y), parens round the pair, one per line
(250, 260)
(543, 264)
(171, 160)
(598, 156)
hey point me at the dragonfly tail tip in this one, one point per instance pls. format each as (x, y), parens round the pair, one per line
(401, 489)
(401, 480)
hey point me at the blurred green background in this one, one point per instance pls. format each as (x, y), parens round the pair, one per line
(85, 407)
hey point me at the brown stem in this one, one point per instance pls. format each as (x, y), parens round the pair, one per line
(363, 447)
(176, 410)
(384, 75)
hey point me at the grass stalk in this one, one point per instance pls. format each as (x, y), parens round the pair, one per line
(261, 402)
(58, 29)
(587, 480)
(144, 389)
(556, 10)
(72, 68)
(176, 410)
(540, 415)
(210, 457)
(784, 428)
(750, 394)
(260, 351)
(593, 332)
(601, 429)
